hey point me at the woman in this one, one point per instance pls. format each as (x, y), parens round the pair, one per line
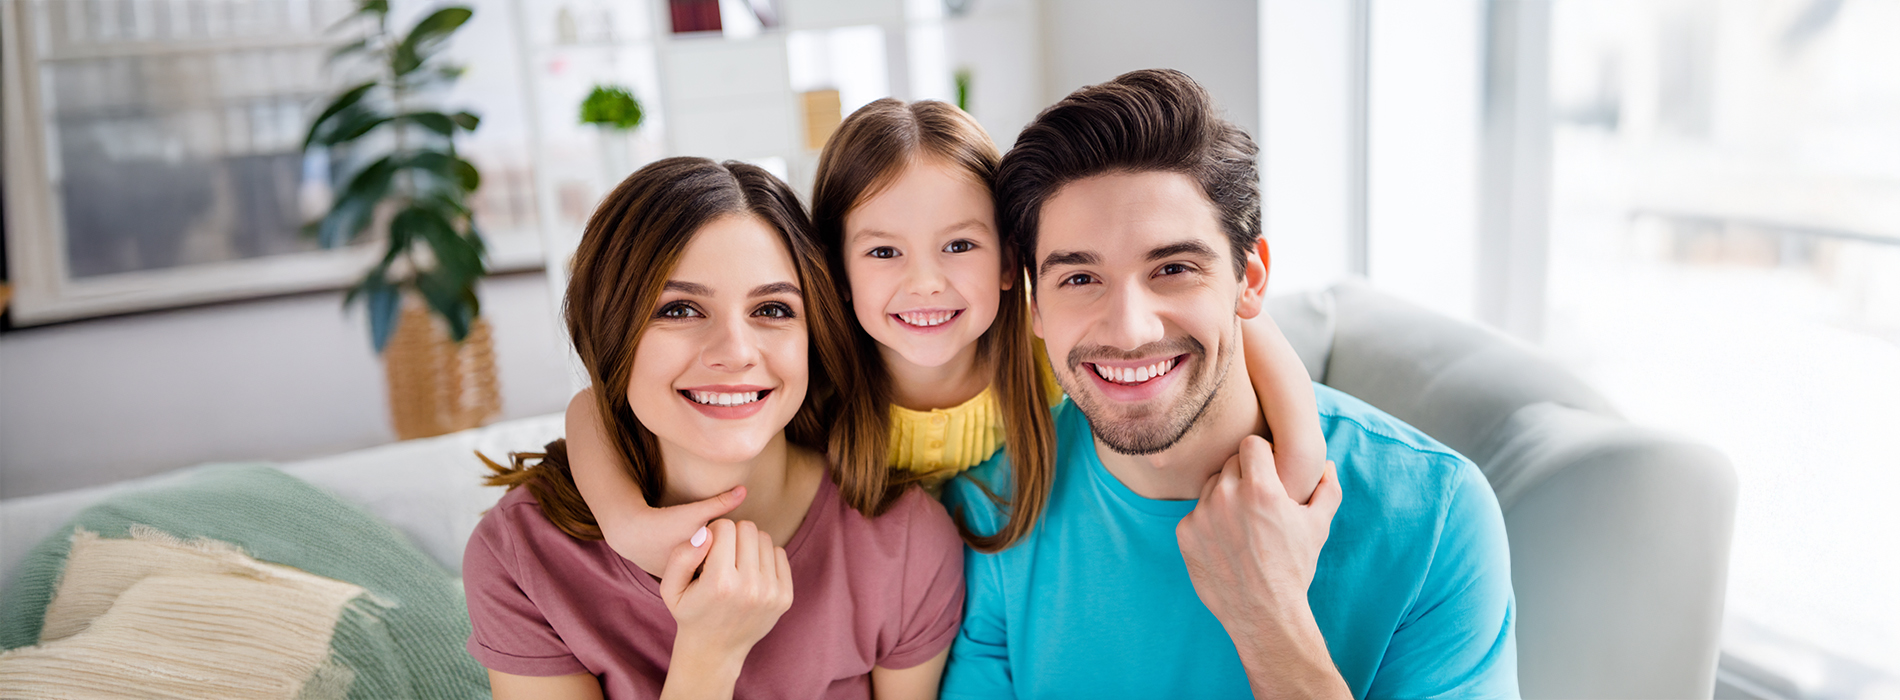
(706, 358)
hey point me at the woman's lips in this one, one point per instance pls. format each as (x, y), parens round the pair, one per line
(727, 402)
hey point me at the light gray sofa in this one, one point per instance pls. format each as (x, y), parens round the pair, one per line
(1619, 534)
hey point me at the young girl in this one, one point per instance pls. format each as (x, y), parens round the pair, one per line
(707, 358)
(952, 373)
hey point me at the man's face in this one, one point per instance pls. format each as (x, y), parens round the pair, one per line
(1136, 299)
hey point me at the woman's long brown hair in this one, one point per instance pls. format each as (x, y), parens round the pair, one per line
(630, 247)
(867, 153)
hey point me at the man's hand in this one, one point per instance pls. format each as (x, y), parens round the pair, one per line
(1251, 552)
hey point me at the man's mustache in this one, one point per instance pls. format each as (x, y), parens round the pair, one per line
(1168, 347)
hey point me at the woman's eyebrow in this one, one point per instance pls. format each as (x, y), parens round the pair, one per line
(693, 288)
(764, 290)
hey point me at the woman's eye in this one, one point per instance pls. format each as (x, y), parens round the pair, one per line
(679, 310)
(775, 310)
(960, 246)
(883, 251)
(1174, 269)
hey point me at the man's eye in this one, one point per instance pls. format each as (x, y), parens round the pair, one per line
(1174, 269)
(775, 310)
(883, 251)
(1076, 279)
(678, 310)
(960, 246)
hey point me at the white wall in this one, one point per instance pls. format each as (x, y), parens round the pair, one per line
(1215, 41)
(1305, 139)
(97, 401)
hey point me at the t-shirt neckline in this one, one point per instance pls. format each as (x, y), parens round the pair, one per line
(1108, 481)
(819, 515)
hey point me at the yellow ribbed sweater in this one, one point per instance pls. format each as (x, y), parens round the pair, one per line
(941, 443)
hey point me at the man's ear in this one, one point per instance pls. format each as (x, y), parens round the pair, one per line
(1011, 271)
(1253, 284)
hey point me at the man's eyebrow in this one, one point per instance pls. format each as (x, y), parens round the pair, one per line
(1188, 247)
(693, 288)
(765, 290)
(1067, 257)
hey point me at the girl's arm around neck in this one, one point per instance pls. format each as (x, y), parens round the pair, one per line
(918, 682)
(639, 532)
(1286, 399)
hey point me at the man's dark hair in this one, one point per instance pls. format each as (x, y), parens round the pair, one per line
(1147, 120)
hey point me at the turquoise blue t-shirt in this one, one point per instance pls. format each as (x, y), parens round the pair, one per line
(1412, 592)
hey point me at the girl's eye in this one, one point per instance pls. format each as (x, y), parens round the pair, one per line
(679, 309)
(775, 310)
(1075, 280)
(883, 251)
(960, 246)
(1174, 269)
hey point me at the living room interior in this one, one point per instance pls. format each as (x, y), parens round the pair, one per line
(1639, 260)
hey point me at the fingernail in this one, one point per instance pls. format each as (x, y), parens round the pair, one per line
(699, 538)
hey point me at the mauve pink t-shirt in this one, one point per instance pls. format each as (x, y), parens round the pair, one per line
(865, 592)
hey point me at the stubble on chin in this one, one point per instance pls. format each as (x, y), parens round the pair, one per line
(1146, 430)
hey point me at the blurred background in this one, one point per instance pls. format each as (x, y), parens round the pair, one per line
(1694, 204)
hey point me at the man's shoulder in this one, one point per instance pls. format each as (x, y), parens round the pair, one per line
(1396, 468)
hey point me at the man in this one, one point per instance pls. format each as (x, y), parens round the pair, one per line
(1165, 565)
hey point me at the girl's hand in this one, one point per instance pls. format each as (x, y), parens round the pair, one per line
(744, 585)
(639, 532)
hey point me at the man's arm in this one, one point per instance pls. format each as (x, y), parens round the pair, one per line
(979, 658)
(1251, 551)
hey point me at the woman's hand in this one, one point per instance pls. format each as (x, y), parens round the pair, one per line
(744, 585)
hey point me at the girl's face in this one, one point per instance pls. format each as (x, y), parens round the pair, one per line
(721, 368)
(925, 264)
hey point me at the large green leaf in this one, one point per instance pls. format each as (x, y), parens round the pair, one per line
(426, 37)
(374, 8)
(342, 102)
(448, 167)
(434, 121)
(451, 297)
(385, 304)
(353, 208)
(348, 126)
(347, 49)
(467, 121)
(455, 255)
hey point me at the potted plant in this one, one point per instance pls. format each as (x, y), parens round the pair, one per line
(616, 113)
(407, 185)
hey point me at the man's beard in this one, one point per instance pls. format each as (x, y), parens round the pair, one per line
(1148, 431)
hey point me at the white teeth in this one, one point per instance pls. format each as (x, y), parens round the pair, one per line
(927, 318)
(712, 398)
(1135, 375)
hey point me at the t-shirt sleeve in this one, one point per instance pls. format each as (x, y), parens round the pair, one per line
(509, 634)
(979, 660)
(933, 585)
(1459, 639)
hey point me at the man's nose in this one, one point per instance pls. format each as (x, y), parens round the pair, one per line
(1133, 318)
(732, 348)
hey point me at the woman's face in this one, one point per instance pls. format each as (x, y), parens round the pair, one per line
(721, 368)
(925, 264)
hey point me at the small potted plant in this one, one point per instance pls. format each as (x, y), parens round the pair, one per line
(407, 185)
(616, 113)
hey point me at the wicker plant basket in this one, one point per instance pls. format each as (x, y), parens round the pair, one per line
(437, 386)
